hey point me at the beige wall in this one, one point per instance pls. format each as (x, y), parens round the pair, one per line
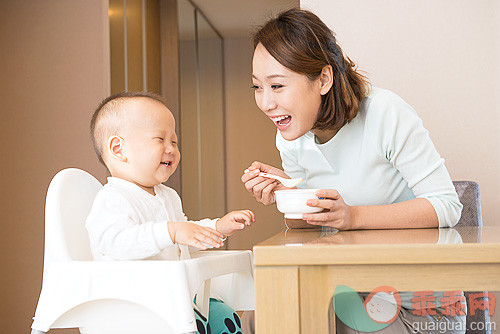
(442, 57)
(250, 136)
(54, 67)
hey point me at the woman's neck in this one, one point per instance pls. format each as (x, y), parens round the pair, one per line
(322, 136)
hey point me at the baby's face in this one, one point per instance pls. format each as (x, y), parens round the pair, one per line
(150, 143)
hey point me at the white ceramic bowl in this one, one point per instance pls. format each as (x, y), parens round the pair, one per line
(292, 202)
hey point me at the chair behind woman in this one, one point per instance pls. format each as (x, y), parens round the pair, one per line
(470, 197)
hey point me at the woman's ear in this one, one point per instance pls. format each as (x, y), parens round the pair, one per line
(115, 148)
(326, 79)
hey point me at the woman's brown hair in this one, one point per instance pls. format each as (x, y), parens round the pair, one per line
(301, 42)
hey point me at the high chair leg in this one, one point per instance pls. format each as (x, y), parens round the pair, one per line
(203, 298)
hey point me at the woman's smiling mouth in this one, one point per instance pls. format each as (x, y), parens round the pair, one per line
(282, 122)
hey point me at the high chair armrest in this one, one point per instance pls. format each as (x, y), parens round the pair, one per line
(217, 263)
(230, 274)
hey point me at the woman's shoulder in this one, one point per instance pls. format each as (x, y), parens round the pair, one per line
(383, 98)
(383, 104)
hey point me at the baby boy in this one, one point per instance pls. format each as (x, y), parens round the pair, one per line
(135, 216)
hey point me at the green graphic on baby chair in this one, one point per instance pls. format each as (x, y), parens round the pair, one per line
(378, 310)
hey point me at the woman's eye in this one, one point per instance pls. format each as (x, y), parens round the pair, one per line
(160, 138)
(174, 142)
(255, 87)
(276, 86)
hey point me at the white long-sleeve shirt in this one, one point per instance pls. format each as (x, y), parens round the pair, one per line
(383, 156)
(128, 223)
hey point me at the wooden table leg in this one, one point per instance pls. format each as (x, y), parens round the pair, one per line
(277, 300)
(315, 298)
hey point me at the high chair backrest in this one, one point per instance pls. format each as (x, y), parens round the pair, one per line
(69, 200)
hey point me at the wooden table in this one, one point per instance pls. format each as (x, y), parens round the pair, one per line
(297, 270)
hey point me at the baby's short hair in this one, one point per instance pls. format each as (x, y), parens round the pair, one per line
(107, 118)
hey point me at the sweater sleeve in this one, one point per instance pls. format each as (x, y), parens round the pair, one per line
(289, 158)
(115, 231)
(407, 146)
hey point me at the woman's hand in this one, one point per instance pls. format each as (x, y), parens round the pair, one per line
(336, 213)
(262, 188)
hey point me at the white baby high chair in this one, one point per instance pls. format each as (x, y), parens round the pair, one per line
(125, 296)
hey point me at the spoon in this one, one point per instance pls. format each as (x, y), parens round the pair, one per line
(289, 183)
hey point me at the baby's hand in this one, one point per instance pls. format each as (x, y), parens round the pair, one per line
(234, 221)
(190, 234)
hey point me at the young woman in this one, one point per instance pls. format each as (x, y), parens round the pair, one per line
(364, 147)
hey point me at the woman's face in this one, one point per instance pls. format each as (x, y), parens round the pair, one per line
(288, 98)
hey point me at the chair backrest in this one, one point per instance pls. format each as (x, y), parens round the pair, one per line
(470, 197)
(69, 200)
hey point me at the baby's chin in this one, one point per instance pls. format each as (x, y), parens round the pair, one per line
(164, 178)
(152, 182)
(158, 180)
